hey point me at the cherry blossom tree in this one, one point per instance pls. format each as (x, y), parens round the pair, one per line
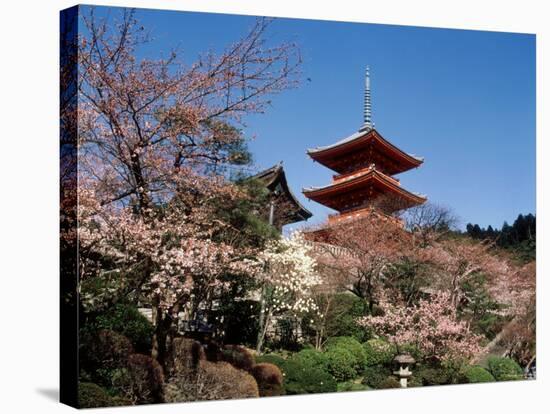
(431, 326)
(287, 281)
(151, 136)
(360, 255)
(455, 261)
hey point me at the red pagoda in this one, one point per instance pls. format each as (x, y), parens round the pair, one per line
(365, 163)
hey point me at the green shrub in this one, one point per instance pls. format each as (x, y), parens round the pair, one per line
(389, 382)
(128, 321)
(311, 358)
(351, 386)
(353, 346)
(342, 364)
(300, 379)
(475, 374)
(271, 359)
(504, 369)
(379, 352)
(91, 395)
(375, 374)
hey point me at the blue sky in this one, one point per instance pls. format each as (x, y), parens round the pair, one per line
(464, 100)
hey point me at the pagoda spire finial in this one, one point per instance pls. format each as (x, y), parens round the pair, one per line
(367, 121)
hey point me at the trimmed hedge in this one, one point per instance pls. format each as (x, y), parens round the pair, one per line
(345, 357)
(311, 358)
(302, 379)
(342, 364)
(476, 374)
(504, 369)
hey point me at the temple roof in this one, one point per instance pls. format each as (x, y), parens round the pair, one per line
(274, 179)
(328, 194)
(327, 155)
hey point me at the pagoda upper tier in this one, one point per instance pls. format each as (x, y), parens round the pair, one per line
(367, 146)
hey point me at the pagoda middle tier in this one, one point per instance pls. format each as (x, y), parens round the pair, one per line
(364, 162)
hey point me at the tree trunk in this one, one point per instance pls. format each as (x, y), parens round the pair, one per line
(263, 319)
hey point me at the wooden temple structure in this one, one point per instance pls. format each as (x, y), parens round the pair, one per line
(365, 164)
(284, 207)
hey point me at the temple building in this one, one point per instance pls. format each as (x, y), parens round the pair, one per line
(284, 208)
(365, 164)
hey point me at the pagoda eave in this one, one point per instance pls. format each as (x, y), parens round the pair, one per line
(364, 141)
(372, 184)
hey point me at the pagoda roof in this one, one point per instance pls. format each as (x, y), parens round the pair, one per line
(327, 194)
(274, 179)
(326, 155)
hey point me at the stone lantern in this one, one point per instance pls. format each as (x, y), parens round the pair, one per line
(404, 362)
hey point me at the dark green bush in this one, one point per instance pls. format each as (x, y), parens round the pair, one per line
(504, 369)
(375, 374)
(342, 364)
(352, 345)
(128, 321)
(379, 352)
(103, 353)
(389, 382)
(311, 358)
(475, 374)
(91, 395)
(300, 379)
(432, 375)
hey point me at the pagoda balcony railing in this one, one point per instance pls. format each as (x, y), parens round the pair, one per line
(337, 178)
(361, 213)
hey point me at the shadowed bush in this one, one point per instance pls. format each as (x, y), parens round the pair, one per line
(142, 381)
(185, 354)
(374, 375)
(92, 396)
(269, 378)
(389, 382)
(238, 356)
